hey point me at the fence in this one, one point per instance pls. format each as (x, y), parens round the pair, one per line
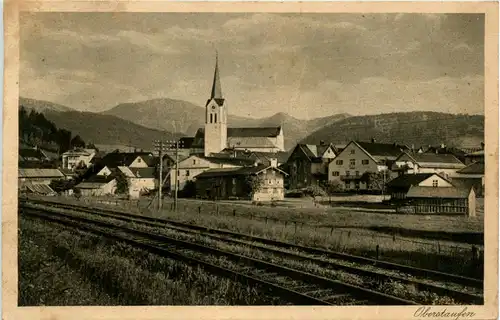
(432, 209)
(441, 255)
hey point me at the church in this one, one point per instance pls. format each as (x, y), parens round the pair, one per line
(217, 137)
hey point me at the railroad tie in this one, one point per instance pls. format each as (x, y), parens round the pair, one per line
(315, 292)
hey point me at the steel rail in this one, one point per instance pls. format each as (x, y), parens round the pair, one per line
(321, 284)
(460, 296)
(426, 273)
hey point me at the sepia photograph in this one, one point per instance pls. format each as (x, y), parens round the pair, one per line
(253, 159)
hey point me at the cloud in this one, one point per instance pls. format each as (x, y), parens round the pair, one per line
(306, 64)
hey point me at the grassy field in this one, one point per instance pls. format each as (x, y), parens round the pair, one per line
(346, 232)
(59, 266)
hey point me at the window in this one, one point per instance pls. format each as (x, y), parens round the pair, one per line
(187, 173)
(138, 160)
(211, 118)
(194, 161)
(274, 173)
(339, 162)
(215, 118)
(347, 173)
(356, 185)
(275, 190)
(365, 162)
(434, 183)
(352, 162)
(335, 173)
(357, 173)
(353, 151)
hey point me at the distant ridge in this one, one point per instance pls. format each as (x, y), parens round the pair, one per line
(412, 128)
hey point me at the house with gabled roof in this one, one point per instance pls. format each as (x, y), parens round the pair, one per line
(77, 158)
(349, 168)
(399, 186)
(471, 175)
(308, 164)
(233, 183)
(140, 180)
(443, 163)
(194, 165)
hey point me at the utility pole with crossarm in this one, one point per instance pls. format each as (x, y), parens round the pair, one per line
(161, 147)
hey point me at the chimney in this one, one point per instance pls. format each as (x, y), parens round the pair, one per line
(322, 142)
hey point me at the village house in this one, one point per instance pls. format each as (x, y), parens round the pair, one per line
(34, 158)
(77, 158)
(275, 159)
(236, 183)
(447, 200)
(399, 187)
(445, 164)
(308, 164)
(217, 136)
(192, 166)
(351, 166)
(37, 180)
(99, 178)
(471, 176)
(98, 185)
(140, 180)
(476, 156)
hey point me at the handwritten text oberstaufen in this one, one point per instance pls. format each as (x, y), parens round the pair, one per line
(429, 312)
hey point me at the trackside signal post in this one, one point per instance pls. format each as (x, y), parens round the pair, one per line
(161, 147)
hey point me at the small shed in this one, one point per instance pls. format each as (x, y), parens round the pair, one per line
(446, 200)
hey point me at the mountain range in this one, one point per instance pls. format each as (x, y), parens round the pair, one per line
(140, 123)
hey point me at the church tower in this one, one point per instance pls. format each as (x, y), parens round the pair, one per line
(215, 117)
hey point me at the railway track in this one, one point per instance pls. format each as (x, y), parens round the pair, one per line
(293, 285)
(461, 289)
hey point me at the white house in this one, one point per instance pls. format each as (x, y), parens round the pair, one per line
(77, 157)
(358, 158)
(196, 164)
(97, 185)
(139, 179)
(445, 164)
(399, 186)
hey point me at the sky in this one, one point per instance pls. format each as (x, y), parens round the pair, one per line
(307, 65)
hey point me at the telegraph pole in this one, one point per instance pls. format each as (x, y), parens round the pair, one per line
(159, 146)
(162, 146)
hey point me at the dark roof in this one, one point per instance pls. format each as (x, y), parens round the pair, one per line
(432, 192)
(100, 179)
(39, 173)
(198, 140)
(115, 159)
(228, 160)
(473, 168)
(382, 149)
(264, 157)
(243, 171)
(407, 180)
(435, 158)
(254, 132)
(27, 153)
(144, 172)
(39, 188)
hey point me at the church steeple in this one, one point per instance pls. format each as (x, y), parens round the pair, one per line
(216, 87)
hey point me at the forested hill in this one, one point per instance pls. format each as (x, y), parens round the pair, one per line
(36, 130)
(417, 128)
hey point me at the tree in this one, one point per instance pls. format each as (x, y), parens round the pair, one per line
(77, 142)
(252, 185)
(376, 180)
(122, 184)
(333, 186)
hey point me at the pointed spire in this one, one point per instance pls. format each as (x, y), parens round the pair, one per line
(216, 88)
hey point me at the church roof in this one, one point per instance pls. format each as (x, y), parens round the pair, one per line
(241, 133)
(254, 132)
(216, 87)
